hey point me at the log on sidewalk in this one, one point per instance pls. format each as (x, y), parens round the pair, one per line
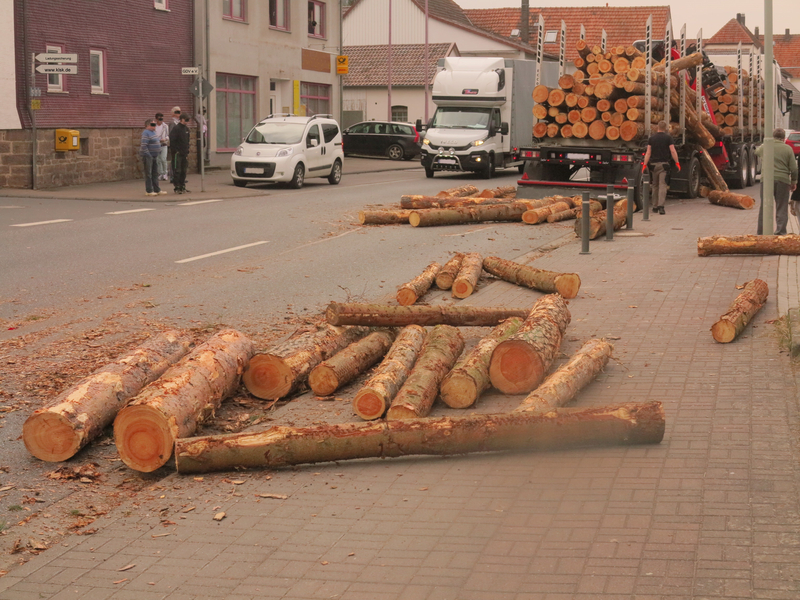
(343, 367)
(439, 353)
(383, 217)
(565, 383)
(429, 217)
(447, 274)
(462, 386)
(549, 282)
(519, 363)
(788, 245)
(730, 199)
(384, 315)
(535, 216)
(80, 413)
(187, 394)
(468, 275)
(597, 221)
(615, 425)
(410, 292)
(741, 311)
(278, 372)
(379, 390)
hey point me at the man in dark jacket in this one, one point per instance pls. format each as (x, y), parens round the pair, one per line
(179, 144)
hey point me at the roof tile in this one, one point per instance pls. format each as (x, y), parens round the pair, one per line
(369, 65)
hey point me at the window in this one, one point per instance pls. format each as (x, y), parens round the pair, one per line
(236, 109)
(233, 9)
(551, 36)
(55, 83)
(279, 14)
(329, 131)
(97, 71)
(161, 4)
(313, 134)
(316, 97)
(400, 113)
(316, 18)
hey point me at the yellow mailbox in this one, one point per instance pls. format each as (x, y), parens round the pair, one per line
(67, 139)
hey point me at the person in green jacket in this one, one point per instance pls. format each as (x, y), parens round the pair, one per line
(785, 182)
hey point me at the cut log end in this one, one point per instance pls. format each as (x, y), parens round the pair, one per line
(406, 297)
(268, 377)
(50, 437)
(143, 437)
(459, 390)
(515, 368)
(568, 285)
(401, 412)
(323, 380)
(723, 331)
(369, 405)
(462, 289)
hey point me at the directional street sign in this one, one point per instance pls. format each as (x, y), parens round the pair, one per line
(201, 88)
(190, 70)
(53, 57)
(57, 69)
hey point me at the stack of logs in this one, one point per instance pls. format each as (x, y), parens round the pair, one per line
(725, 103)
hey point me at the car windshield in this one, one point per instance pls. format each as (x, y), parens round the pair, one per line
(794, 137)
(461, 118)
(277, 132)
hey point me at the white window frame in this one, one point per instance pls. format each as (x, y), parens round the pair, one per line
(283, 9)
(98, 89)
(161, 4)
(551, 36)
(55, 83)
(318, 14)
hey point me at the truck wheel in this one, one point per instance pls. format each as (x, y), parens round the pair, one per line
(428, 172)
(751, 174)
(693, 179)
(740, 179)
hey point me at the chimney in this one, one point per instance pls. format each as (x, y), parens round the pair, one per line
(740, 18)
(756, 33)
(787, 37)
(524, 18)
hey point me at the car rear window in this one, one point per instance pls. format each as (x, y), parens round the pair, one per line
(330, 131)
(794, 137)
(403, 130)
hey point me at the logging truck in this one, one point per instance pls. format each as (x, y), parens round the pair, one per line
(593, 127)
(483, 115)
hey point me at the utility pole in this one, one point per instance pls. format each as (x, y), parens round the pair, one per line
(768, 167)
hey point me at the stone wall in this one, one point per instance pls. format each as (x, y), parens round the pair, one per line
(105, 155)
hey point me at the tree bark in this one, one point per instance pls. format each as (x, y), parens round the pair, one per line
(439, 353)
(728, 198)
(468, 275)
(788, 245)
(80, 413)
(618, 424)
(412, 291)
(566, 285)
(712, 172)
(376, 395)
(430, 217)
(462, 386)
(445, 278)
(741, 312)
(383, 217)
(564, 215)
(535, 216)
(462, 190)
(679, 64)
(597, 221)
(382, 315)
(187, 394)
(280, 371)
(342, 368)
(519, 364)
(563, 385)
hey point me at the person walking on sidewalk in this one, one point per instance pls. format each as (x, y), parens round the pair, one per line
(784, 183)
(162, 131)
(179, 143)
(149, 150)
(660, 147)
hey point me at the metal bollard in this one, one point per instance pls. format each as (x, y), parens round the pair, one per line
(610, 201)
(585, 223)
(646, 200)
(630, 207)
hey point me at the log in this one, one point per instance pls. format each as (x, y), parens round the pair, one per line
(579, 88)
(621, 65)
(377, 393)
(728, 199)
(561, 118)
(462, 190)
(612, 133)
(583, 48)
(519, 363)
(631, 130)
(605, 66)
(439, 353)
(566, 130)
(556, 97)
(787, 245)
(566, 285)
(462, 386)
(540, 111)
(588, 114)
(412, 202)
(679, 64)
(279, 371)
(339, 370)
(540, 129)
(540, 94)
(741, 311)
(413, 290)
(580, 130)
(712, 172)
(597, 221)
(597, 130)
(639, 62)
(603, 105)
(81, 412)
(382, 315)
(535, 216)
(564, 215)
(563, 385)
(641, 102)
(383, 217)
(606, 117)
(430, 217)
(604, 89)
(574, 116)
(633, 52)
(553, 111)
(617, 119)
(187, 394)
(552, 130)
(584, 101)
(565, 82)
(468, 275)
(447, 274)
(618, 424)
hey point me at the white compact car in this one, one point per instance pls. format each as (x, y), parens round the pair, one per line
(288, 148)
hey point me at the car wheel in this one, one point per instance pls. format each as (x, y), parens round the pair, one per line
(299, 177)
(428, 172)
(395, 152)
(336, 173)
(239, 183)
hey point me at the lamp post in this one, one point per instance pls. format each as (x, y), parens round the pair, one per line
(768, 167)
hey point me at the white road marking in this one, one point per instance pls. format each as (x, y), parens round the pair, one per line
(127, 212)
(42, 223)
(468, 232)
(199, 202)
(8, 206)
(320, 241)
(186, 260)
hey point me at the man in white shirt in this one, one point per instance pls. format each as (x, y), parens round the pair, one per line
(162, 131)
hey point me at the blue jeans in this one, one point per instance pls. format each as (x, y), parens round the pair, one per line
(151, 174)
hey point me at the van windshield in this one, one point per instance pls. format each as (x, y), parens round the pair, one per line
(465, 117)
(276, 133)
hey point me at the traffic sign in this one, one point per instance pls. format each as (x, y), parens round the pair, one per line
(201, 88)
(56, 57)
(57, 69)
(36, 104)
(190, 70)
(342, 64)
(35, 92)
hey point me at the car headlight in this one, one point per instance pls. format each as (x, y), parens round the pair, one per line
(239, 151)
(478, 143)
(426, 141)
(284, 152)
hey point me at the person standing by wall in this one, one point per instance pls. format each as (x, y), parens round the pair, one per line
(171, 123)
(794, 206)
(179, 143)
(149, 150)
(785, 181)
(162, 131)
(660, 147)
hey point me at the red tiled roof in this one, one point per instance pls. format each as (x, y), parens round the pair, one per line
(623, 24)
(369, 65)
(444, 10)
(733, 32)
(786, 50)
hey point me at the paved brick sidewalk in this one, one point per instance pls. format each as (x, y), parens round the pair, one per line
(711, 513)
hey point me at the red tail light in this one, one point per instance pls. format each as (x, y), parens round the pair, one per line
(416, 136)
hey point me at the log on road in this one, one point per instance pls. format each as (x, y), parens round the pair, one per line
(519, 363)
(788, 245)
(430, 217)
(187, 394)
(728, 198)
(379, 390)
(618, 425)
(535, 216)
(383, 217)
(563, 385)
(80, 413)
(462, 190)
(741, 311)
(281, 370)
(410, 292)
(468, 275)
(550, 282)
(383, 315)
(447, 274)
(416, 201)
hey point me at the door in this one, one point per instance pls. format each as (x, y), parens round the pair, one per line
(355, 139)
(315, 159)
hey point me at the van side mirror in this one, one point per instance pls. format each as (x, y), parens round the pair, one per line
(504, 128)
(492, 130)
(313, 143)
(418, 125)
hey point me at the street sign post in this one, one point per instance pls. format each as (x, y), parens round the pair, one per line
(57, 69)
(201, 89)
(190, 70)
(54, 57)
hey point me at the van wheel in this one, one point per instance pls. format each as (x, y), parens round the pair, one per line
(428, 172)
(336, 173)
(488, 171)
(395, 152)
(239, 183)
(299, 177)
